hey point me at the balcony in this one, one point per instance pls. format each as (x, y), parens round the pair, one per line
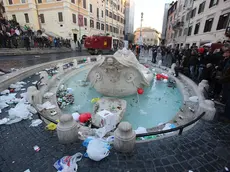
(177, 25)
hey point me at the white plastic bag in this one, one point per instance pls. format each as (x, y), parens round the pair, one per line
(68, 163)
(97, 150)
(35, 122)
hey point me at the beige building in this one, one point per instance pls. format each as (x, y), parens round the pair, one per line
(149, 36)
(69, 18)
(201, 21)
(107, 17)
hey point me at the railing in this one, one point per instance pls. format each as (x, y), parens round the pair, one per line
(38, 83)
(180, 128)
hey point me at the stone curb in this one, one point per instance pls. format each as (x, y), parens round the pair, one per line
(32, 52)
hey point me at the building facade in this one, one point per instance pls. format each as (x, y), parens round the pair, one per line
(129, 17)
(165, 21)
(69, 18)
(169, 27)
(2, 9)
(149, 36)
(201, 21)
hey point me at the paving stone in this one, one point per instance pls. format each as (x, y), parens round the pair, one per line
(204, 148)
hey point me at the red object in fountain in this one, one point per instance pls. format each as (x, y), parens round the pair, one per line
(140, 91)
(84, 117)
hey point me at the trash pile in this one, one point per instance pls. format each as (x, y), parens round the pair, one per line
(19, 107)
(65, 96)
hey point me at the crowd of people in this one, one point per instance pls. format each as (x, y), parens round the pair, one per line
(12, 35)
(205, 63)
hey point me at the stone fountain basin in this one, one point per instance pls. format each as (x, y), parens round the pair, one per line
(114, 105)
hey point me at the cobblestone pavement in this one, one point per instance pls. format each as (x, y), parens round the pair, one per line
(204, 148)
(8, 62)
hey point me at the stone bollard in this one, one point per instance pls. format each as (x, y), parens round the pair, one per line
(67, 129)
(75, 63)
(45, 78)
(124, 138)
(88, 59)
(208, 107)
(60, 68)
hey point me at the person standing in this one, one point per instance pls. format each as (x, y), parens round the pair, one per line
(193, 61)
(154, 54)
(27, 42)
(225, 80)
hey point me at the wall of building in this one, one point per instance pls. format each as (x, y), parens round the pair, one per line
(129, 16)
(66, 28)
(170, 22)
(149, 36)
(201, 37)
(165, 19)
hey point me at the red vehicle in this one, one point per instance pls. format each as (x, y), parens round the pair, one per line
(102, 44)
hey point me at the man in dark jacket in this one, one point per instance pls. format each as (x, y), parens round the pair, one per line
(225, 80)
(193, 61)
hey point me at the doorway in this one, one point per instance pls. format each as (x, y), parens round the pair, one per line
(75, 37)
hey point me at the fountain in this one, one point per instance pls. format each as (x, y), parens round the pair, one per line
(119, 75)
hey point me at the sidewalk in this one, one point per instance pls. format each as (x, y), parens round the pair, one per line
(33, 51)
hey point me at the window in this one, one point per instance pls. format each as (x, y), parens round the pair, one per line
(193, 13)
(208, 25)
(118, 18)
(27, 18)
(114, 30)
(110, 14)
(223, 21)
(180, 32)
(147, 39)
(74, 18)
(84, 4)
(107, 27)
(91, 23)
(102, 13)
(85, 21)
(42, 18)
(102, 27)
(23, 1)
(91, 8)
(73, 1)
(118, 7)
(114, 17)
(196, 31)
(39, 1)
(97, 12)
(106, 12)
(182, 19)
(60, 17)
(10, 2)
(201, 7)
(213, 3)
(98, 25)
(14, 17)
(185, 31)
(189, 30)
(188, 15)
(111, 28)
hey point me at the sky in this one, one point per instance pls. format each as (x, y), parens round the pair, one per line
(153, 13)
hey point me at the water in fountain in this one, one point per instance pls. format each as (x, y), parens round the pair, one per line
(159, 103)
